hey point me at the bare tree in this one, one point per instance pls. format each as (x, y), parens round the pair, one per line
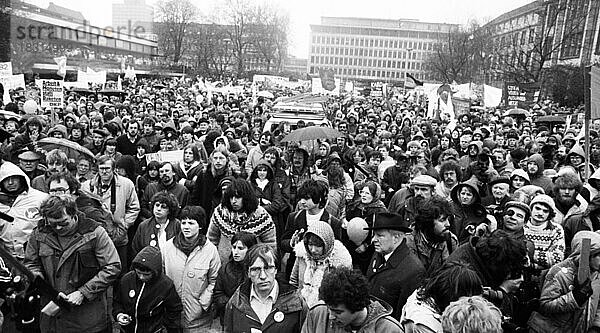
(174, 19)
(269, 35)
(454, 57)
(555, 30)
(212, 50)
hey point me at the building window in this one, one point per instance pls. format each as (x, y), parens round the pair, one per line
(574, 29)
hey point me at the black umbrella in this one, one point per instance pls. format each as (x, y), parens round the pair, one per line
(554, 120)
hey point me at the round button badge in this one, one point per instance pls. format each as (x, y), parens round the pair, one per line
(278, 316)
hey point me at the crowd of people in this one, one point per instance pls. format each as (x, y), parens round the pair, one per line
(402, 223)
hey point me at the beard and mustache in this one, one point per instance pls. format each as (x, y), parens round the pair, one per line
(566, 201)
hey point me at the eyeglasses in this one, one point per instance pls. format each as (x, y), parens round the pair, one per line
(256, 271)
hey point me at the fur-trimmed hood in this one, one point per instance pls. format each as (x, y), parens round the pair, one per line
(339, 256)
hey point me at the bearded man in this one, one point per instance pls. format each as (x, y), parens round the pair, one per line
(431, 239)
(570, 206)
(450, 173)
(422, 186)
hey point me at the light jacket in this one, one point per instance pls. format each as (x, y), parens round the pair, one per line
(25, 209)
(558, 311)
(379, 319)
(308, 271)
(127, 205)
(194, 277)
(89, 263)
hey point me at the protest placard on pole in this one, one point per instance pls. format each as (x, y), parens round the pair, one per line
(174, 156)
(52, 93)
(5, 68)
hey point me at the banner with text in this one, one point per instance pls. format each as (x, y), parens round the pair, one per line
(5, 68)
(52, 93)
(174, 156)
(520, 95)
(11, 82)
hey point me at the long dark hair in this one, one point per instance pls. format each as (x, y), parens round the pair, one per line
(452, 281)
(240, 188)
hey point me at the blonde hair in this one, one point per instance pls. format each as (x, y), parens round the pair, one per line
(472, 315)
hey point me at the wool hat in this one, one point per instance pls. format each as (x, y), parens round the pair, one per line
(543, 199)
(423, 180)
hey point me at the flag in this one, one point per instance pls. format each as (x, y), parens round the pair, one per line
(62, 65)
(595, 92)
(411, 81)
(130, 73)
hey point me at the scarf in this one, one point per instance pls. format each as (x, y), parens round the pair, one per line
(188, 245)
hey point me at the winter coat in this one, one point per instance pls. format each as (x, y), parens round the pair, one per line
(239, 316)
(538, 178)
(308, 270)
(194, 277)
(152, 305)
(395, 279)
(336, 202)
(147, 234)
(126, 146)
(420, 315)
(89, 264)
(179, 191)
(230, 277)
(93, 208)
(432, 255)
(558, 311)
(126, 203)
(207, 192)
(474, 214)
(367, 212)
(271, 191)
(379, 319)
(24, 208)
(573, 221)
(254, 156)
(188, 176)
(224, 224)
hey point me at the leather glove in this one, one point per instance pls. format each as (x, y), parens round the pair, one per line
(582, 292)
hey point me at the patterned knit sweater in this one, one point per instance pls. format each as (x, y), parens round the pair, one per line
(549, 241)
(227, 223)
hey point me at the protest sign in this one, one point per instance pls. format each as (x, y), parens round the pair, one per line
(5, 68)
(174, 156)
(521, 95)
(52, 93)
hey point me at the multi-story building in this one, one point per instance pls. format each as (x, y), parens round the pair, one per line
(133, 13)
(295, 65)
(374, 49)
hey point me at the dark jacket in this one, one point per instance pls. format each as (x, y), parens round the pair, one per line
(393, 281)
(179, 191)
(239, 316)
(366, 212)
(89, 263)
(92, 207)
(538, 178)
(188, 176)
(147, 234)
(153, 305)
(125, 146)
(231, 276)
(207, 192)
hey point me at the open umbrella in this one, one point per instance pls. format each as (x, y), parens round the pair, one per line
(159, 86)
(110, 92)
(550, 120)
(9, 115)
(265, 94)
(72, 149)
(83, 91)
(312, 133)
(517, 112)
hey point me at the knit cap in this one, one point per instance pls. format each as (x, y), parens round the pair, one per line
(325, 233)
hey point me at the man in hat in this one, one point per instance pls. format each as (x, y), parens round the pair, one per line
(394, 272)
(422, 187)
(99, 135)
(29, 162)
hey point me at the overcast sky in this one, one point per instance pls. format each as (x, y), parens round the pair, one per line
(306, 12)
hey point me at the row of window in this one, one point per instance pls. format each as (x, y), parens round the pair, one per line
(519, 38)
(378, 73)
(325, 50)
(373, 42)
(321, 60)
(381, 32)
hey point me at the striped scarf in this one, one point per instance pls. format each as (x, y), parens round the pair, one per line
(229, 222)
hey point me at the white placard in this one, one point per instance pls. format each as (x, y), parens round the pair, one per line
(52, 93)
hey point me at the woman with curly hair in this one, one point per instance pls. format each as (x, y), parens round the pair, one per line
(424, 308)
(162, 226)
(239, 211)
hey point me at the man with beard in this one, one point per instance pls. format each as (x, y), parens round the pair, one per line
(535, 169)
(431, 240)
(20, 201)
(570, 207)
(258, 152)
(126, 143)
(118, 194)
(499, 162)
(473, 150)
(56, 162)
(450, 173)
(167, 184)
(423, 188)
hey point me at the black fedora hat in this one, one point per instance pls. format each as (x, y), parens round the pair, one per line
(389, 221)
